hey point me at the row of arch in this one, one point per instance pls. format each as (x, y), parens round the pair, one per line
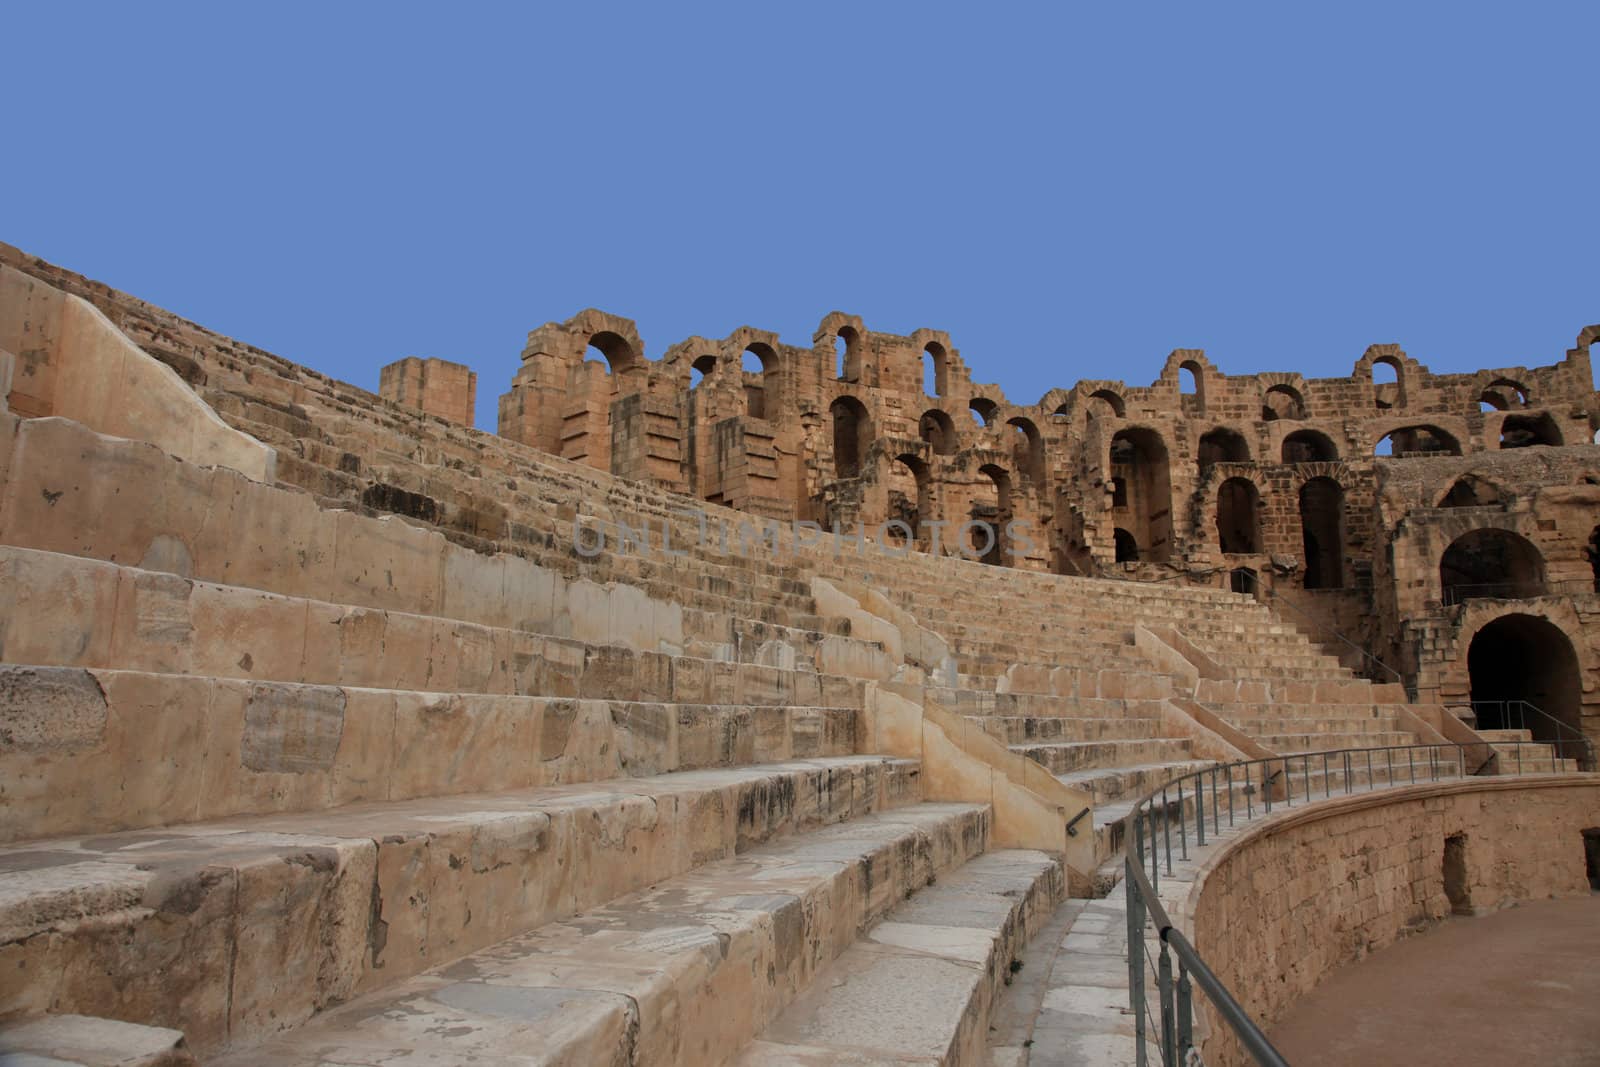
(1238, 525)
(1279, 402)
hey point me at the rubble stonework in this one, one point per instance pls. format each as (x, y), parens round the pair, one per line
(631, 734)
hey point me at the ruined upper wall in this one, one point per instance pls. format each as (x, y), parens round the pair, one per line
(432, 386)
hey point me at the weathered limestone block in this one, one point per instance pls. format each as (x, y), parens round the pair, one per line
(265, 538)
(387, 563)
(85, 1041)
(55, 710)
(53, 609)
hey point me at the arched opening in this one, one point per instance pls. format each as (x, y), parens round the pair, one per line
(1523, 431)
(982, 409)
(847, 352)
(1470, 491)
(1106, 404)
(1282, 402)
(1189, 380)
(1139, 457)
(1063, 411)
(851, 436)
(993, 544)
(1027, 451)
(1491, 564)
(1526, 658)
(699, 369)
(910, 500)
(936, 428)
(1417, 441)
(933, 369)
(1238, 517)
(1322, 533)
(1309, 446)
(612, 350)
(1503, 394)
(1127, 547)
(756, 364)
(1386, 388)
(1222, 445)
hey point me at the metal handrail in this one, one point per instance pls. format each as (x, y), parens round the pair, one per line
(1250, 778)
(1586, 761)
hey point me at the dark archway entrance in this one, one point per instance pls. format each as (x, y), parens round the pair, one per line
(1526, 657)
(1322, 531)
(1139, 459)
(1238, 528)
(1491, 564)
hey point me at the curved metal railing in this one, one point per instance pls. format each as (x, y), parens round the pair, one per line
(1234, 793)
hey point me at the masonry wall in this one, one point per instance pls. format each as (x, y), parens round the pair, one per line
(432, 386)
(1286, 904)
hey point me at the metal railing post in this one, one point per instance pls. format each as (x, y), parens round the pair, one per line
(1228, 769)
(1168, 1022)
(1183, 824)
(1136, 958)
(1166, 828)
(1185, 1015)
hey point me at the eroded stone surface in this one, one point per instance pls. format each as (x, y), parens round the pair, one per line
(50, 710)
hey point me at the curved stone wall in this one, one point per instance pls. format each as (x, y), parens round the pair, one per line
(1283, 905)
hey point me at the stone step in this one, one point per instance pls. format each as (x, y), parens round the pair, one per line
(920, 987)
(1017, 730)
(1063, 757)
(217, 526)
(1322, 742)
(101, 751)
(85, 1041)
(254, 924)
(1257, 713)
(72, 611)
(1111, 785)
(686, 971)
(1535, 757)
(1372, 724)
(1049, 705)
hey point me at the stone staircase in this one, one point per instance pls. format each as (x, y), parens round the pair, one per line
(303, 783)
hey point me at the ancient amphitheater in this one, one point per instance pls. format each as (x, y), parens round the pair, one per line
(761, 704)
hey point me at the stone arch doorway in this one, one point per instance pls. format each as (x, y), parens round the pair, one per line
(1525, 657)
(1138, 457)
(1490, 564)
(1322, 533)
(1238, 522)
(852, 433)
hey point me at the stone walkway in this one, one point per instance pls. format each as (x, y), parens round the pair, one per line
(1080, 1015)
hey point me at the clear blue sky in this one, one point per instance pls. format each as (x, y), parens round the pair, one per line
(1072, 190)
